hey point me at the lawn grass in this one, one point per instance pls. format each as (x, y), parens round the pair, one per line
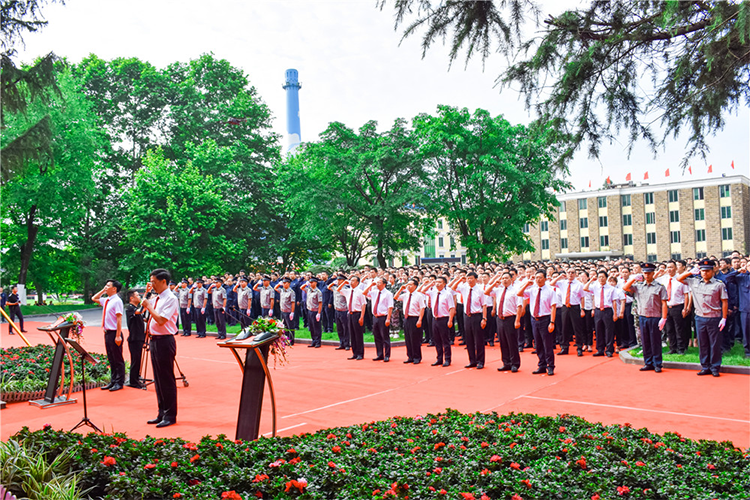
(735, 357)
(304, 333)
(55, 309)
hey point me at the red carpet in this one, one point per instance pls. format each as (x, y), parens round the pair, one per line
(319, 388)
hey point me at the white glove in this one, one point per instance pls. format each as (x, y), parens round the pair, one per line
(317, 317)
(639, 277)
(722, 323)
(203, 310)
(662, 322)
(270, 313)
(291, 315)
(696, 270)
(248, 312)
(187, 310)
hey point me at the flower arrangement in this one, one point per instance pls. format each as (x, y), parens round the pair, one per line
(279, 347)
(76, 332)
(444, 456)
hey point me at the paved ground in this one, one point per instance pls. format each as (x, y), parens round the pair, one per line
(319, 388)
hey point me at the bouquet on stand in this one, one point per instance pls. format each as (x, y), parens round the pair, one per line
(76, 332)
(279, 348)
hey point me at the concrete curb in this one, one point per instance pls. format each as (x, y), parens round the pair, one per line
(331, 343)
(628, 358)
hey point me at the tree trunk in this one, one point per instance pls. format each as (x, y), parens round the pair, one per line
(28, 247)
(381, 258)
(39, 295)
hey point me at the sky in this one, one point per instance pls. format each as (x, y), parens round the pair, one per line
(353, 68)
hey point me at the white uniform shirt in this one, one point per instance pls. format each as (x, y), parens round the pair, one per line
(609, 293)
(546, 301)
(576, 291)
(167, 306)
(112, 307)
(477, 298)
(415, 305)
(381, 305)
(675, 292)
(355, 299)
(510, 304)
(445, 302)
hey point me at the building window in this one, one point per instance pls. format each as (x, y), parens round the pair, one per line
(627, 239)
(627, 220)
(603, 221)
(676, 256)
(583, 222)
(604, 240)
(440, 242)
(526, 228)
(726, 212)
(563, 208)
(651, 257)
(700, 255)
(545, 244)
(650, 217)
(440, 223)
(453, 242)
(648, 198)
(724, 191)
(726, 233)
(625, 200)
(700, 214)
(602, 202)
(700, 235)
(650, 238)
(563, 224)
(697, 193)
(674, 216)
(582, 204)
(673, 196)
(429, 248)
(674, 236)
(584, 241)
(564, 243)
(544, 225)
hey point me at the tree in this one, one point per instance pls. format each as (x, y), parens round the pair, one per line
(586, 72)
(355, 189)
(489, 178)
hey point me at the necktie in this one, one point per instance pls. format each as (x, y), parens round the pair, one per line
(377, 301)
(536, 303)
(437, 303)
(104, 313)
(601, 300)
(502, 304)
(669, 290)
(468, 306)
(351, 299)
(408, 303)
(567, 295)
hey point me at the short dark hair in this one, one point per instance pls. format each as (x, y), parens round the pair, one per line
(472, 274)
(442, 278)
(130, 294)
(161, 274)
(116, 284)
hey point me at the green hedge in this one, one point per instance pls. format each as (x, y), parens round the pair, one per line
(450, 455)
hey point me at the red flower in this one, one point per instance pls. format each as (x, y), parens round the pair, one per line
(484, 472)
(220, 446)
(495, 458)
(516, 497)
(623, 490)
(194, 482)
(595, 496)
(109, 461)
(581, 462)
(300, 485)
(260, 478)
(177, 495)
(331, 465)
(526, 483)
(331, 436)
(94, 450)
(375, 492)
(484, 445)
(484, 497)
(194, 458)
(443, 492)
(336, 449)
(231, 495)
(439, 445)
(516, 466)
(468, 496)
(437, 470)
(562, 429)
(711, 467)
(149, 466)
(639, 463)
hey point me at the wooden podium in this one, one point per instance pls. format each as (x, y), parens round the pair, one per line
(254, 375)
(58, 334)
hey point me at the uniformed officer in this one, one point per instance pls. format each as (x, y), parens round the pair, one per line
(507, 306)
(314, 309)
(219, 303)
(244, 299)
(341, 312)
(184, 296)
(710, 300)
(543, 304)
(651, 297)
(200, 299)
(287, 306)
(267, 295)
(413, 302)
(382, 308)
(356, 304)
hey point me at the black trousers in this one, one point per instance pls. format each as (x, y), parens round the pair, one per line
(200, 321)
(382, 337)
(507, 335)
(571, 324)
(221, 322)
(368, 316)
(342, 328)
(678, 328)
(163, 351)
(528, 332)
(605, 330)
(474, 338)
(288, 326)
(356, 334)
(15, 311)
(114, 355)
(316, 333)
(544, 341)
(413, 338)
(622, 332)
(459, 320)
(427, 320)
(209, 312)
(588, 328)
(329, 317)
(245, 319)
(442, 339)
(187, 322)
(135, 346)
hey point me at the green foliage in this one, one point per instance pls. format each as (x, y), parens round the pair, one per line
(488, 177)
(733, 357)
(30, 473)
(448, 455)
(588, 71)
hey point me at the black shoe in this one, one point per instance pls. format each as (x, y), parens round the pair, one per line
(520, 349)
(311, 346)
(386, 359)
(704, 372)
(347, 348)
(408, 361)
(106, 387)
(317, 346)
(353, 357)
(136, 386)
(166, 423)
(446, 364)
(417, 361)
(579, 352)
(471, 365)
(598, 354)
(657, 369)
(359, 358)
(339, 348)
(671, 351)
(550, 371)
(24, 331)
(480, 366)
(462, 343)
(715, 374)
(432, 344)
(539, 371)
(379, 358)
(646, 368)
(437, 363)
(492, 344)
(504, 369)
(609, 354)
(514, 369)
(154, 420)
(115, 387)
(562, 352)
(533, 352)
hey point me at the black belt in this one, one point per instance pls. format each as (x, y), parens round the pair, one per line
(162, 335)
(676, 305)
(539, 318)
(355, 312)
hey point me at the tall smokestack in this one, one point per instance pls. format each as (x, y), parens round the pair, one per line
(292, 87)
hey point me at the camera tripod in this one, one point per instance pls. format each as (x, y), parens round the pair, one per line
(145, 354)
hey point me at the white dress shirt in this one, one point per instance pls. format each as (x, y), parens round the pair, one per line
(112, 308)
(477, 298)
(444, 302)
(166, 306)
(509, 307)
(383, 304)
(355, 299)
(675, 292)
(609, 293)
(415, 304)
(576, 291)
(546, 301)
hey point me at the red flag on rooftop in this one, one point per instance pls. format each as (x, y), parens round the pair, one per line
(666, 174)
(589, 183)
(609, 181)
(690, 169)
(645, 176)
(628, 177)
(710, 169)
(732, 164)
